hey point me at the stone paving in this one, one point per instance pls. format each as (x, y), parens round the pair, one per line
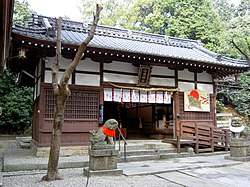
(206, 170)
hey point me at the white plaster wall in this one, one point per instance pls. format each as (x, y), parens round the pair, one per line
(48, 77)
(157, 70)
(111, 77)
(162, 81)
(50, 61)
(186, 75)
(87, 79)
(205, 77)
(208, 88)
(120, 66)
(185, 86)
(88, 65)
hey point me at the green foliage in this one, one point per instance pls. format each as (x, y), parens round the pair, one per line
(243, 8)
(224, 9)
(7, 84)
(245, 80)
(234, 38)
(112, 14)
(241, 100)
(236, 43)
(219, 106)
(239, 33)
(16, 104)
(216, 23)
(22, 12)
(193, 19)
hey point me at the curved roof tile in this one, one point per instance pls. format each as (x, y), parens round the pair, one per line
(123, 40)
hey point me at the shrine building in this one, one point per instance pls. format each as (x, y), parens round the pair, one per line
(153, 85)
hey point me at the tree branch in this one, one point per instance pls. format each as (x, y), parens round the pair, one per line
(82, 47)
(57, 63)
(239, 49)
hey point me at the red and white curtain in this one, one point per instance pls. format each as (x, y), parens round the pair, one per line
(136, 96)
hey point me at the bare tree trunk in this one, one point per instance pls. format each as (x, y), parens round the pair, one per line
(61, 93)
(61, 97)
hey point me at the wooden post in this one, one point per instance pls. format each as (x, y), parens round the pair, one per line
(226, 139)
(197, 139)
(212, 138)
(178, 144)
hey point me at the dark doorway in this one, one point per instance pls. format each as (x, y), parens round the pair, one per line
(141, 121)
(110, 111)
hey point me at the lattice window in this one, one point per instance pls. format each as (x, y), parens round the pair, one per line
(49, 104)
(80, 105)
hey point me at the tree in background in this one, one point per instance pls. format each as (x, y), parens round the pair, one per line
(224, 9)
(243, 8)
(241, 98)
(22, 12)
(224, 13)
(112, 13)
(207, 21)
(16, 103)
(236, 38)
(239, 29)
(193, 19)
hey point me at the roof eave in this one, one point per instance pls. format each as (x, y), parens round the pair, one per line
(215, 65)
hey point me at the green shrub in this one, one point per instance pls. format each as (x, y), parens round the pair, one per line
(219, 106)
(16, 103)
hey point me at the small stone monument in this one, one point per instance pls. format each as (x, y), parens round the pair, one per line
(102, 154)
(239, 145)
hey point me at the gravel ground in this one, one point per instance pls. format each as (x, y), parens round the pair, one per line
(212, 170)
(75, 178)
(230, 176)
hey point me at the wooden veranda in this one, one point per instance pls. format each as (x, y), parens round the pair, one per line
(202, 138)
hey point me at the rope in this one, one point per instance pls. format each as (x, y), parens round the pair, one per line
(145, 89)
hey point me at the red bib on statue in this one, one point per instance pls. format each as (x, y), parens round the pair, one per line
(107, 131)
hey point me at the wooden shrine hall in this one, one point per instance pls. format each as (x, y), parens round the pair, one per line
(155, 86)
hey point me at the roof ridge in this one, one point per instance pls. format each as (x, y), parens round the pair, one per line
(118, 32)
(30, 29)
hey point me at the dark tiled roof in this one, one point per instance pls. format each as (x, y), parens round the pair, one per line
(110, 38)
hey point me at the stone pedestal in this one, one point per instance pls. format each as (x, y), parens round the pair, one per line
(103, 162)
(239, 149)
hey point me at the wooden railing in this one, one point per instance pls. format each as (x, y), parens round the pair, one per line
(202, 138)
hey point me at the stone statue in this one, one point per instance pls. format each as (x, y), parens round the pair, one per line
(239, 145)
(238, 129)
(104, 136)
